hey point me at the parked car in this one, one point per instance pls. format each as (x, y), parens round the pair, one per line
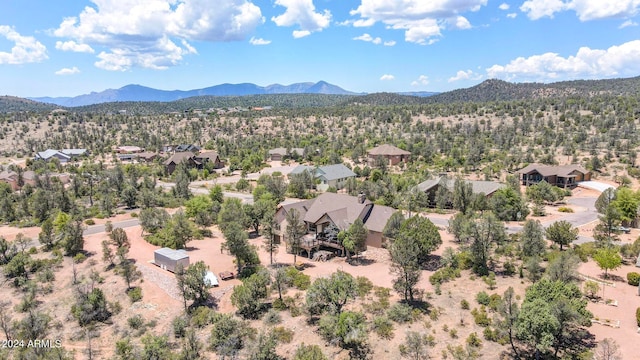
(623, 229)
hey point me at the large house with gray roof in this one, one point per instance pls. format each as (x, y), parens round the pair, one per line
(562, 176)
(330, 213)
(327, 176)
(430, 187)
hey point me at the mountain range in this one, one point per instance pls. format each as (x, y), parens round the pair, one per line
(143, 93)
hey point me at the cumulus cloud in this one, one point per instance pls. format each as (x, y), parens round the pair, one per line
(259, 41)
(26, 49)
(422, 80)
(422, 21)
(619, 60)
(374, 40)
(68, 71)
(387, 77)
(627, 23)
(155, 33)
(73, 46)
(302, 13)
(504, 6)
(585, 9)
(512, 15)
(465, 75)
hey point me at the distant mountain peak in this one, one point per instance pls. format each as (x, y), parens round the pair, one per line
(136, 92)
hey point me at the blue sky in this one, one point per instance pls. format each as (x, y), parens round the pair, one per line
(68, 48)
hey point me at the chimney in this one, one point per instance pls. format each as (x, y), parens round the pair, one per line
(361, 198)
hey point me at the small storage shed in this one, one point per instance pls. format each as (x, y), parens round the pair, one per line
(169, 259)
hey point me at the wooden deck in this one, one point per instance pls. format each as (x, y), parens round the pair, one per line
(309, 243)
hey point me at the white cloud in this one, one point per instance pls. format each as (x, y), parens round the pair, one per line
(465, 75)
(422, 21)
(627, 23)
(259, 41)
(512, 15)
(389, 43)
(585, 9)
(302, 13)
(68, 71)
(387, 77)
(146, 32)
(504, 6)
(422, 80)
(26, 49)
(616, 61)
(73, 46)
(297, 34)
(368, 38)
(537, 9)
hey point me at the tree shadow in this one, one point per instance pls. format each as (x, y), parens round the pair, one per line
(433, 263)
(191, 248)
(612, 277)
(361, 262)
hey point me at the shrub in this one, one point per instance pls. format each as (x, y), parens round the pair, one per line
(565, 209)
(90, 222)
(638, 316)
(633, 278)
(302, 281)
(180, 324)
(202, 316)
(465, 260)
(135, 294)
(272, 317)
(483, 298)
(283, 334)
(584, 251)
(383, 326)
(135, 322)
(79, 258)
(453, 333)
(509, 268)
(33, 250)
(364, 286)
(464, 304)
(490, 334)
(134, 214)
(400, 313)
(494, 301)
(443, 275)
(473, 340)
(480, 316)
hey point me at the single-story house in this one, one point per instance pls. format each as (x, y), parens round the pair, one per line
(11, 178)
(562, 176)
(75, 152)
(51, 154)
(329, 213)
(279, 154)
(210, 157)
(169, 259)
(333, 176)
(147, 156)
(392, 154)
(180, 157)
(129, 149)
(328, 175)
(430, 187)
(187, 147)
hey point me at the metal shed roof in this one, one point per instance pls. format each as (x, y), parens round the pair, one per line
(172, 254)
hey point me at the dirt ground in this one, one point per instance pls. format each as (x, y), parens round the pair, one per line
(622, 314)
(161, 301)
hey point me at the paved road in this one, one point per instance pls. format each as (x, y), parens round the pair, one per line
(576, 219)
(95, 229)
